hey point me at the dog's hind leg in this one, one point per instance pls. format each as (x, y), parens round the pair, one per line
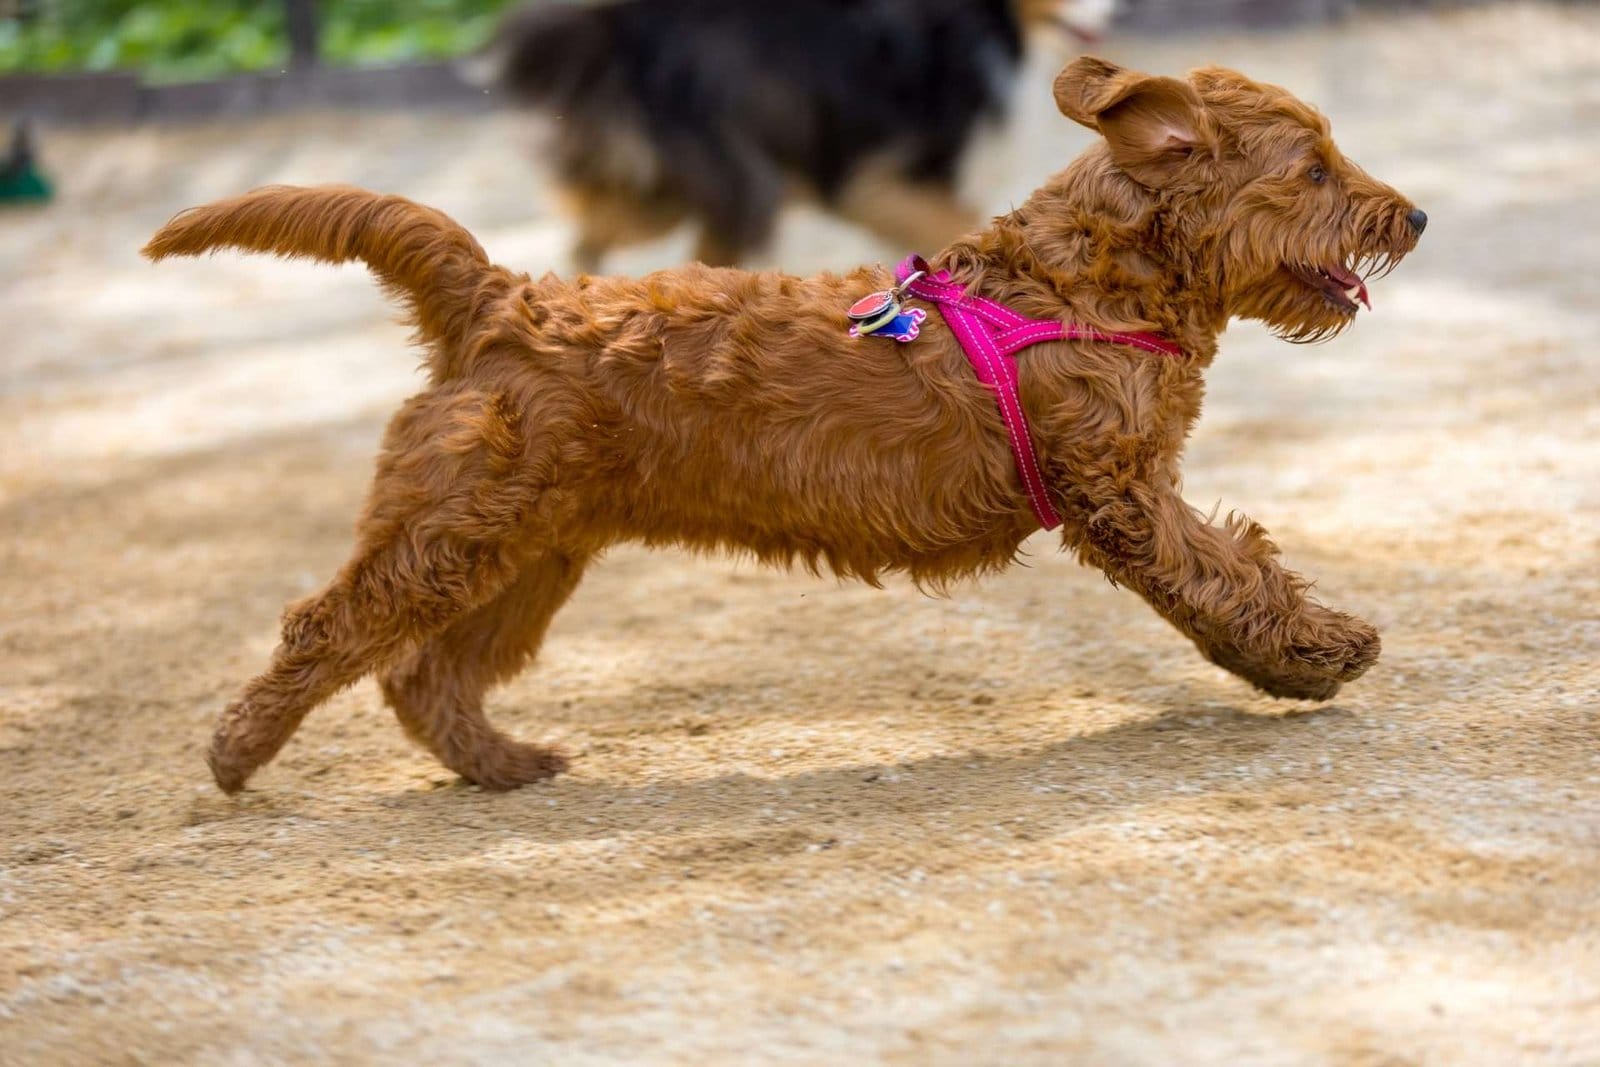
(437, 690)
(392, 594)
(459, 504)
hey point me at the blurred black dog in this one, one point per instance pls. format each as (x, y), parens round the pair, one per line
(718, 110)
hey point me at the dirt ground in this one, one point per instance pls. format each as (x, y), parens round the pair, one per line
(807, 822)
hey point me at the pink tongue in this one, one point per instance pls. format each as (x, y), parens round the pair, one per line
(1349, 280)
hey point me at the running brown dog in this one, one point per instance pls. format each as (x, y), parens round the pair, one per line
(719, 409)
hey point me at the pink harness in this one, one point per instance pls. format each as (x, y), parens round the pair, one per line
(989, 332)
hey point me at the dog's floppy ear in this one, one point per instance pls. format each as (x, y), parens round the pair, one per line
(1153, 124)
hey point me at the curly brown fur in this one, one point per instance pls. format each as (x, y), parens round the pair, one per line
(723, 410)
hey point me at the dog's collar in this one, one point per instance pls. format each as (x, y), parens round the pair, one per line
(988, 332)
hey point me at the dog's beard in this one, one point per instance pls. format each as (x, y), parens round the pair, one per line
(1313, 301)
(1295, 309)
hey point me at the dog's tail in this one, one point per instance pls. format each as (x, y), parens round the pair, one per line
(421, 256)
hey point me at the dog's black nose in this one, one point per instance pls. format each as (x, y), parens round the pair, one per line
(1418, 219)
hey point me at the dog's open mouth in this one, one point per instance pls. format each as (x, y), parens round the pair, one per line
(1342, 286)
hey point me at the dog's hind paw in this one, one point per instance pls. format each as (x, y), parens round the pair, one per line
(512, 764)
(239, 746)
(230, 777)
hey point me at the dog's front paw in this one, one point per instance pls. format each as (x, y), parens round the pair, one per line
(1327, 650)
(1274, 675)
(1337, 645)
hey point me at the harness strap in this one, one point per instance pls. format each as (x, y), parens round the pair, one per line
(989, 332)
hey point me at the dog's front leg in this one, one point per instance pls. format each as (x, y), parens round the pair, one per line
(1224, 588)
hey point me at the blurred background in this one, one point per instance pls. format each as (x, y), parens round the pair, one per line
(833, 824)
(179, 41)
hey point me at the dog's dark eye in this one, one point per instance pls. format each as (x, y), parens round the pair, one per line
(1317, 174)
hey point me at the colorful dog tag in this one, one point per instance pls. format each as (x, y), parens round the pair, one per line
(880, 315)
(903, 327)
(874, 310)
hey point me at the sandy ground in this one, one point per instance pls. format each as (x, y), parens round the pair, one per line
(807, 822)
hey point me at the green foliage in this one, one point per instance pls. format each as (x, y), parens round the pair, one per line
(176, 40)
(171, 40)
(376, 31)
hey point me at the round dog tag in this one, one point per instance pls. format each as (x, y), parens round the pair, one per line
(871, 306)
(874, 311)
